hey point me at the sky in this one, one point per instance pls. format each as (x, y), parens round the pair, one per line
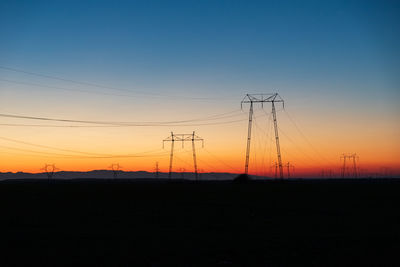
(335, 63)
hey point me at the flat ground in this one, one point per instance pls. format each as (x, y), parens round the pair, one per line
(311, 223)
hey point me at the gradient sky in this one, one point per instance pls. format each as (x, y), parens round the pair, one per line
(336, 64)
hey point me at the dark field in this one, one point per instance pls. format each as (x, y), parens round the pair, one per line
(127, 223)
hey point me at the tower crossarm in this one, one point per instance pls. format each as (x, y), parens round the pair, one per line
(262, 98)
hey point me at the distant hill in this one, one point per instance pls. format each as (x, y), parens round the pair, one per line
(108, 174)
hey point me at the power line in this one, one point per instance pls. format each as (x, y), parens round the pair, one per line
(88, 91)
(287, 152)
(80, 152)
(296, 146)
(204, 162)
(49, 147)
(220, 160)
(262, 142)
(58, 126)
(59, 155)
(303, 135)
(63, 88)
(103, 86)
(26, 155)
(37, 152)
(125, 124)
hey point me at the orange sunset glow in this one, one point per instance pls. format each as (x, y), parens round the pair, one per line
(310, 142)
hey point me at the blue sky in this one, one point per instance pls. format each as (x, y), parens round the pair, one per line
(219, 43)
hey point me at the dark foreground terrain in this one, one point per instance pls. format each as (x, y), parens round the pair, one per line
(128, 223)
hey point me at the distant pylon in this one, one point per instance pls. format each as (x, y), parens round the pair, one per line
(275, 166)
(326, 173)
(288, 167)
(156, 170)
(182, 171)
(49, 169)
(386, 172)
(183, 138)
(115, 167)
(201, 171)
(355, 170)
(263, 98)
(346, 172)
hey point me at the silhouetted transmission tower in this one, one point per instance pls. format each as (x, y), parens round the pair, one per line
(346, 170)
(275, 167)
(49, 169)
(289, 167)
(263, 98)
(156, 170)
(182, 171)
(183, 138)
(115, 167)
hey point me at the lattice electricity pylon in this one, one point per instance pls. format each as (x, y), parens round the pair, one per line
(200, 171)
(275, 167)
(156, 170)
(386, 172)
(182, 171)
(115, 167)
(328, 173)
(263, 98)
(345, 169)
(288, 167)
(183, 138)
(49, 169)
